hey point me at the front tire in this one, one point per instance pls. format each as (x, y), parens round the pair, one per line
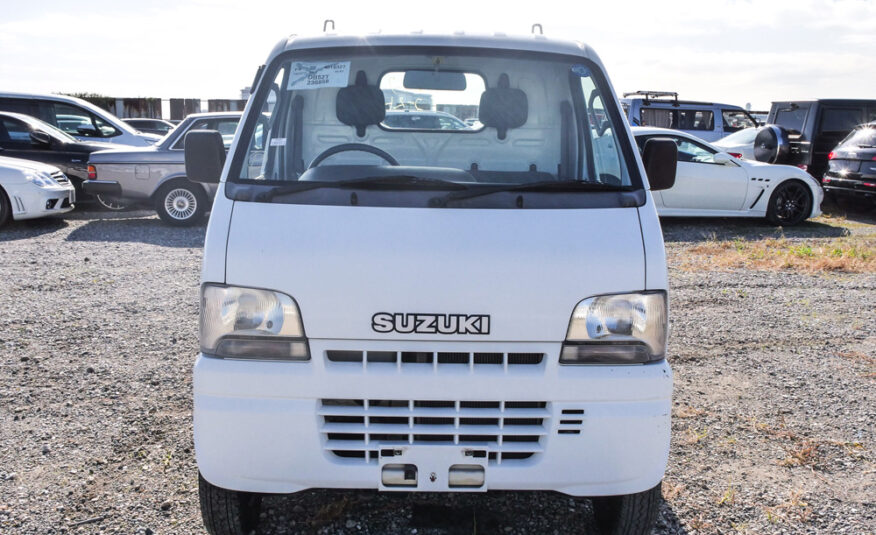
(181, 203)
(5, 208)
(790, 204)
(228, 512)
(630, 514)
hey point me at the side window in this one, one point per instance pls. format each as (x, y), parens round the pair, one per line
(735, 120)
(841, 119)
(226, 127)
(17, 105)
(14, 134)
(696, 120)
(688, 151)
(658, 118)
(871, 114)
(607, 160)
(200, 124)
(79, 122)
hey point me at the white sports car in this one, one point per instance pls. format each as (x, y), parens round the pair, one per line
(712, 183)
(32, 189)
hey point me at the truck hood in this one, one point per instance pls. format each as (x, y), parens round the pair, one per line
(525, 269)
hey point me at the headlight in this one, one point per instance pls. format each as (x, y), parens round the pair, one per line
(250, 323)
(42, 180)
(617, 329)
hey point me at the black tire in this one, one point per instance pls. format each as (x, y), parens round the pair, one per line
(228, 512)
(180, 203)
(630, 514)
(771, 145)
(790, 204)
(5, 208)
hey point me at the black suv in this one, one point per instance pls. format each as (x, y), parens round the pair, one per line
(803, 132)
(852, 166)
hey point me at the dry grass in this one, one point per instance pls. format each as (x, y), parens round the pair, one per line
(792, 509)
(801, 453)
(686, 411)
(692, 436)
(853, 254)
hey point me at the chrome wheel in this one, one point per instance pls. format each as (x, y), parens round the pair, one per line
(180, 204)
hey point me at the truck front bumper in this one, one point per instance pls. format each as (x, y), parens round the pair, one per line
(282, 427)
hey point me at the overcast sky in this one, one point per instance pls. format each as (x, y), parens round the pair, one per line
(734, 51)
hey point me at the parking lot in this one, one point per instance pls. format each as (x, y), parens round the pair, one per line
(772, 346)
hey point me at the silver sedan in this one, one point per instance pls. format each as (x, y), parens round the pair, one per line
(156, 174)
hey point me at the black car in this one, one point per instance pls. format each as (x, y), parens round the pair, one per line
(803, 132)
(23, 136)
(852, 166)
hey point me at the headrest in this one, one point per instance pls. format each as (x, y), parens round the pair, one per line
(503, 108)
(360, 105)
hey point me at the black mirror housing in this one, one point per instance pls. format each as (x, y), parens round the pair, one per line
(205, 156)
(38, 137)
(660, 157)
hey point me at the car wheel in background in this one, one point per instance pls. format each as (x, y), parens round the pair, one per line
(228, 512)
(630, 514)
(116, 204)
(771, 144)
(790, 203)
(5, 208)
(180, 202)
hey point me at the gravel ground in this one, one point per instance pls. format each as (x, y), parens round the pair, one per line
(773, 428)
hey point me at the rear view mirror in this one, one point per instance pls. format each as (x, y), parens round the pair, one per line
(38, 137)
(205, 156)
(436, 80)
(660, 157)
(722, 158)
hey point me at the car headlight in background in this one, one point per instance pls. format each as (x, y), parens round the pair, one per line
(617, 329)
(42, 180)
(250, 323)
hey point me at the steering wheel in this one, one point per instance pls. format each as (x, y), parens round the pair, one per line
(352, 146)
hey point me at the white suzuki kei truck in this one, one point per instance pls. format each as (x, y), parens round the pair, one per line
(436, 305)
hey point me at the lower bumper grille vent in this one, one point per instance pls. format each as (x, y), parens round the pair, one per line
(501, 430)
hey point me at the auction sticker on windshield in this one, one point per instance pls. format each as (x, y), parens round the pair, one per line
(316, 75)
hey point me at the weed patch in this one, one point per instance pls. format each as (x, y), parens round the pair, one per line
(852, 254)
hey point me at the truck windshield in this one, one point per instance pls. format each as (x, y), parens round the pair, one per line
(433, 119)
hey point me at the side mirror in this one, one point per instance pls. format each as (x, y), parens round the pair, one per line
(87, 130)
(205, 156)
(38, 137)
(660, 157)
(722, 158)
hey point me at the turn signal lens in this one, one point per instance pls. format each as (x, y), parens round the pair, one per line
(92, 173)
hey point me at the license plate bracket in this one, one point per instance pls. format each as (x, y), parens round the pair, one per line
(433, 464)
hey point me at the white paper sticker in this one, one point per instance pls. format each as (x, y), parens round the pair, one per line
(316, 75)
(278, 141)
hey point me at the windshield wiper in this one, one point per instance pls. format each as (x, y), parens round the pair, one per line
(544, 185)
(371, 181)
